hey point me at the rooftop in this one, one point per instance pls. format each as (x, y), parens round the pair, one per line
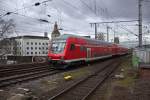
(30, 37)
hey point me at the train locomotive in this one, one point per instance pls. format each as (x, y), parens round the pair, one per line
(69, 49)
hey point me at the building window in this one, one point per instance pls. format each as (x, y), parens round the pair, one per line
(27, 52)
(43, 48)
(46, 48)
(35, 43)
(31, 48)
(27, 43)
(35, 48)
(31, 43)
(27, 48)
(35, 52)
(39, 43)
(39, 48)
(43, 43)
(39, 52)
(43, 52)
(31, 52)
(46, 43)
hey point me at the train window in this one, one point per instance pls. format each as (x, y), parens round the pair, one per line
(58, 47)
(72, 47)
(82, 48)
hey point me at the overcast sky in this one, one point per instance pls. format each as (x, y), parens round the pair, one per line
(74, 16)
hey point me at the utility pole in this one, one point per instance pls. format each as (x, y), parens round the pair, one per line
(140, 22)
(95, 8)
(95, 25)
(114, 34)
(107, 33)
(98, 23)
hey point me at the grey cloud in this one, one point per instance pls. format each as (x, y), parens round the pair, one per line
(71, 14)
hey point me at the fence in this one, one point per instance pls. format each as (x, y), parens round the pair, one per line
(140, 56)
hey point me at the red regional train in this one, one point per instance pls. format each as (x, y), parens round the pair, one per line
(69, 49)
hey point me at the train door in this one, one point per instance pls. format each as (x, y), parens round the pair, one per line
(88, 52)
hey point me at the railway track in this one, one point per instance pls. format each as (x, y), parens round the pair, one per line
(10, 75)
(15, 71)
(83, 88)
(16, 74)
(20, 66)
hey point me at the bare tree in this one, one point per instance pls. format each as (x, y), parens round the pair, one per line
(6, 28)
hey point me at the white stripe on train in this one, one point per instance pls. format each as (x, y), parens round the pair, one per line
(87, 59)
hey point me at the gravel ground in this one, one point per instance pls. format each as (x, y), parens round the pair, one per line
(112, 91)
(141, 90)
(38, 88)
(128, 88)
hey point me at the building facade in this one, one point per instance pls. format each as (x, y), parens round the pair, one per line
(29, 46)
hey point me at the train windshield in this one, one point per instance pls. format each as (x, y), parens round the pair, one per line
(58, 46)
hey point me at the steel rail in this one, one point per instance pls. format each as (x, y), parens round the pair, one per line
(25, 77)
(65, 91)
(4, 73)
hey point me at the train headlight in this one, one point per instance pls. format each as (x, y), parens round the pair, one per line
(49, 58)
(62, 58)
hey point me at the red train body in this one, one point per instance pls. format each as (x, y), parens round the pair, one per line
(69, 49)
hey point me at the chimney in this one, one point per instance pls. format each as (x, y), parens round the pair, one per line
(45, 34)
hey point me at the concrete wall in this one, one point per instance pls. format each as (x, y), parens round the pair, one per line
(143, 55)
(27, 59)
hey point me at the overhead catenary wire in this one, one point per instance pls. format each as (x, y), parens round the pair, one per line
(35, 4)
(123, 27)
(38, 19)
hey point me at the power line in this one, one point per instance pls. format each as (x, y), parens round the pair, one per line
(35, 4)
(38, 19)
(128, 31)
(88, 7)
(121, 21)
(146, 0)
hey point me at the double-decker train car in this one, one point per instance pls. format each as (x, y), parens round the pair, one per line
(70, 49)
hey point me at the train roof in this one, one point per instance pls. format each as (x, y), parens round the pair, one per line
(66, 36)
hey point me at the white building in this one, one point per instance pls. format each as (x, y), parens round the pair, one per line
(31, 45)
